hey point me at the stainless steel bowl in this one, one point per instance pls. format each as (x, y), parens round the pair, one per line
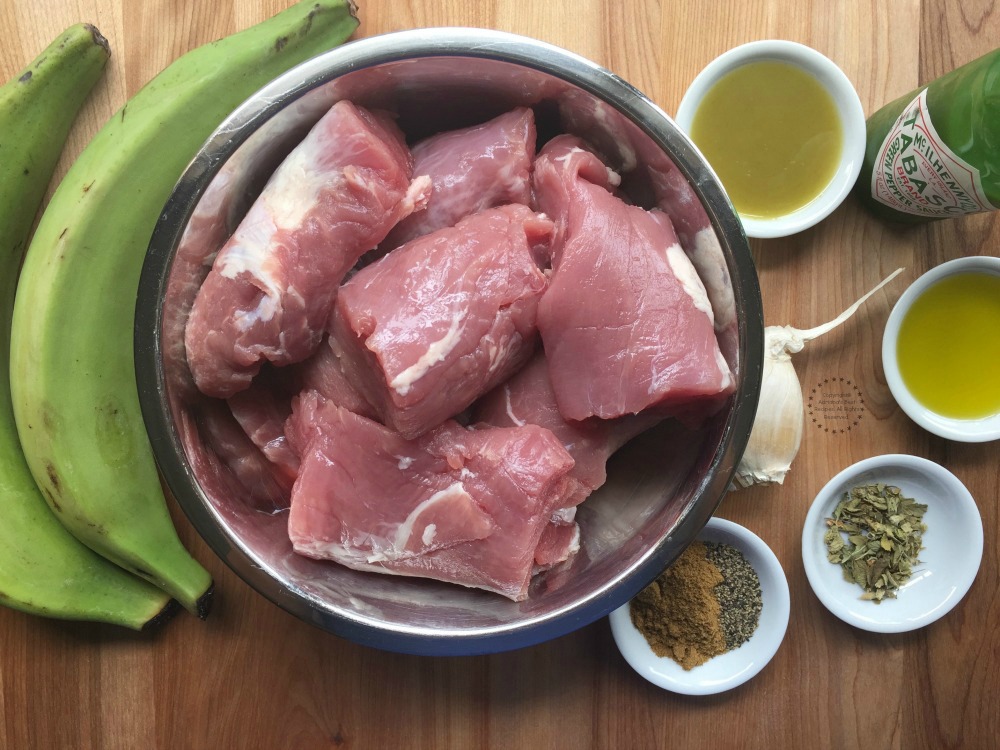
(661, 488)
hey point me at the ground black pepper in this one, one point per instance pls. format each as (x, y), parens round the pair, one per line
(739, 594)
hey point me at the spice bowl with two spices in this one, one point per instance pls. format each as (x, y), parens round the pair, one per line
(892, 543)
(765, 609)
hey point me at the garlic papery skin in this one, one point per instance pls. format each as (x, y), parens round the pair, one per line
(780, 419)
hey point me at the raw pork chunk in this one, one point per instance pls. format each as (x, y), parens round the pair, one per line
(323, 372)
(269, 294)
(438, 322)
(471, 169)
(559, 542)
(631, 150)
(457, 505)
(528, 398)
(265, 486)
(263, 408)
(626, 322)
(261, 411)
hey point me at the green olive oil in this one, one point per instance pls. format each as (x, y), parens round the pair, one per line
(948, 348)
(773, 134)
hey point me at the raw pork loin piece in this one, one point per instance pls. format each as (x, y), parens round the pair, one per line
(265, 486)
(559, 542)
(626, 322)
(631, 150)
(323, 372)
(262, 410)
(271, 288)
(443, 319)
(458, 505)
(471, 169)
(528, 398)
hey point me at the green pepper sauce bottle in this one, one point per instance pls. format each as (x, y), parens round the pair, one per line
(935, 153)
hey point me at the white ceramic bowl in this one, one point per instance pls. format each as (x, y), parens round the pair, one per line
(852, 120)
(953, 546)
(737, 666)
(963, 430)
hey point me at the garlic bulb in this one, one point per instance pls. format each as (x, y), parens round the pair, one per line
(780, 419)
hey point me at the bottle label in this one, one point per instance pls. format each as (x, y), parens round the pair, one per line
(917, 173)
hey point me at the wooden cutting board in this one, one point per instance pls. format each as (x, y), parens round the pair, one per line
(255, 677)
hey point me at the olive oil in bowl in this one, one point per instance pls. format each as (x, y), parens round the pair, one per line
(948, 346)
(773, 134)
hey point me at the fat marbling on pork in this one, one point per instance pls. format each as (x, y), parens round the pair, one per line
(271, 287)
(438, 322)
(467, 506)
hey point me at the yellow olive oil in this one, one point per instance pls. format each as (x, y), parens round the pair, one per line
(773, 134)
(948, 347)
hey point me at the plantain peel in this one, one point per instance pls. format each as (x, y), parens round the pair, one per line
(75, 399)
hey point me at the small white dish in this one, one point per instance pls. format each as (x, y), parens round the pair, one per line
(953, 546)
(845, 97)
(962, 430)
(735, 667)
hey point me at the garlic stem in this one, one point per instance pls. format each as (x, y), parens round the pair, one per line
(812, 333)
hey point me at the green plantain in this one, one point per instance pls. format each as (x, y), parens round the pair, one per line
(73, 376)
(44, 570)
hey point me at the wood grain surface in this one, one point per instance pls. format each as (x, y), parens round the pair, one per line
(255, 677)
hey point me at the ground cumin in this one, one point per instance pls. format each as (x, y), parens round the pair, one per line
(679, 614)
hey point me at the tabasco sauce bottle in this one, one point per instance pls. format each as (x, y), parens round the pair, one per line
(935, 153)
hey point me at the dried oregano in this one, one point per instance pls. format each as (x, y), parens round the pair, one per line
(875, 535)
